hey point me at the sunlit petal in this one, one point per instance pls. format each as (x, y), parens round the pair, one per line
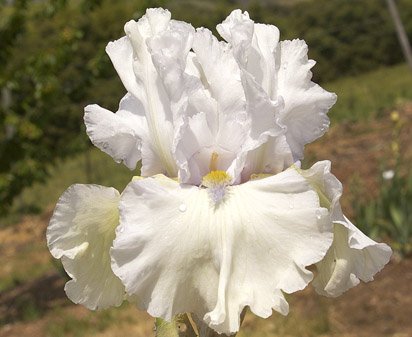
(151, 91)
(353, 256)
(170, 50)
(80, 233)
(121, 55)
(306, 104)
(272, 157)
(283, 72)
(121, 134)
(254, 46)
(217, 123)
(176, 250)
(221, 72)
(266, 149)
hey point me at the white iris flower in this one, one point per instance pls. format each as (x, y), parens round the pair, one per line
(220, 218)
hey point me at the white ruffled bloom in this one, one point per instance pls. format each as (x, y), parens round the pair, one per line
(220, 218)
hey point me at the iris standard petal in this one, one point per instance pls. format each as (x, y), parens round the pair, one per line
(218, 123)
(119, 134)
(237, 115)
(80, 233)
(176, 250)
(133, 61)
(121, 54)
(170, 50)
(152, 92)
(237, 29)
(306, 104)
(283, 72)
(272, 157)
(220, 70)
(254, 47)
(266, 149)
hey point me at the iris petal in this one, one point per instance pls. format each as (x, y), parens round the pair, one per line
(119, 134)
(80, 233)
(178, 251)
(353, 256)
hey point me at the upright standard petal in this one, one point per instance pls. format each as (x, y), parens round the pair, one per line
(271, 157)
(119, 134)
(152, 93)
(221, 72)
(306, 104)
(218, 125)
(121, 54)
(80, 233)
(177, 250)
(266, 150)
(170, 53)
(206, 144)
(170, 50)
(353, 256)
(283, 71)
(254, 47)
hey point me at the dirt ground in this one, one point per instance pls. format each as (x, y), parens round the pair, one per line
(36, 304)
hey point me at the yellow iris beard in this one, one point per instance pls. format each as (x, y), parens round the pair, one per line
(216, 178)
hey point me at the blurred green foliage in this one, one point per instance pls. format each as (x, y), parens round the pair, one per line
(390, 214)
(103, 171)
(368, 96)
(53, 63)
(347, 37)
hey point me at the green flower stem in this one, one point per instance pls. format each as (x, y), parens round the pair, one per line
(180, 326)
(185, 325)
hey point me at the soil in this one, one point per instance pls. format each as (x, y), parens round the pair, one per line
(379, 308)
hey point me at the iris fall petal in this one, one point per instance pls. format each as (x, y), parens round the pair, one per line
(353, 256)
(178, 251)
(80, 233)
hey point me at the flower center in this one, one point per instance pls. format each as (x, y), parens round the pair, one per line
(216, 178)
(216, 182)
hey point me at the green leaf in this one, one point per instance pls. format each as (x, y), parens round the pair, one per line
(396, 215)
